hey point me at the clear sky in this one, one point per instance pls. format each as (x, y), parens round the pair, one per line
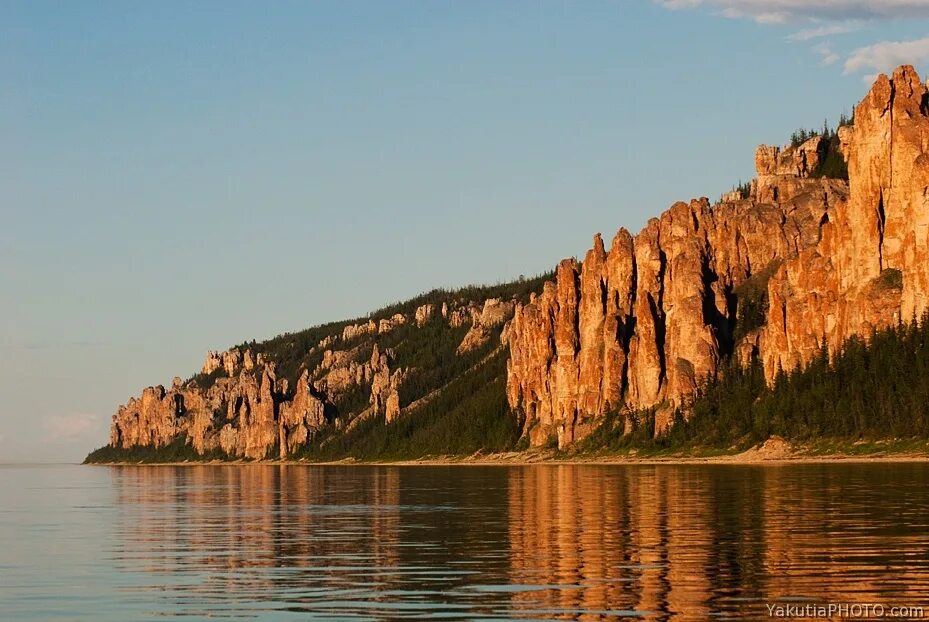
(182, 176)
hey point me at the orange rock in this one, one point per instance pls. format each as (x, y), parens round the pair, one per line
(871, 268)
(642, 326)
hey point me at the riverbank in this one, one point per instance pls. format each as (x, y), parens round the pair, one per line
(774, 451)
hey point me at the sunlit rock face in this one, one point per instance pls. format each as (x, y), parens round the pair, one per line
(241, 405)
(244, 415)
(871, 267)
(639, 325)
(251, 413)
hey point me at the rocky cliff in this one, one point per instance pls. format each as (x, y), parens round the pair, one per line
(276, 398)
(797, 260)
(768, 273)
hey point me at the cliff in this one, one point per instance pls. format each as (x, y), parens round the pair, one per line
(768, 273)
(276, 398)
(798, 261)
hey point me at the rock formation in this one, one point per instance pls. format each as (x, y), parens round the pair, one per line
(645, 322)
(300, 418)
(385, 386)
(768, 273)
(388, 324)
(230, 360)
(871, 268)
(494, 313)
(641, 325)
(423, 314)
(251, 412)
(240, 406)
(778, 169)
(356, 330)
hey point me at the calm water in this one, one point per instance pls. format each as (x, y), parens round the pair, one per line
(540, 542)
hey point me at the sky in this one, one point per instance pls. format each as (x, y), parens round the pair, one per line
(183, 176)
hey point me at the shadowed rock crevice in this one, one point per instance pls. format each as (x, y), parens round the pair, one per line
(881, 221)
(658, 314)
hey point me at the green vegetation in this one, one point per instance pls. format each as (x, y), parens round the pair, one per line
(802, 135)
(431, 354)
(890, 278)
(611, 437)
(831, 446)
(744, 189)
(471, 414)
(832, 163)
(869, 396)
(460, 398)
(752, 297)
(177, 451)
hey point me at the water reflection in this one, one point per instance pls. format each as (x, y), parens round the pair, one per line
(541, 542)
(690, 543)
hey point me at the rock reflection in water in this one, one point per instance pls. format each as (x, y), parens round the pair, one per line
(691, 543)
(541, 542)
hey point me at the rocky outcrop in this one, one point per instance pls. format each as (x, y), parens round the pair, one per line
(252, 407)
(300, 418)
(494, 313)
(460, 316)
(356, 330)
(380, 327)
(326, 341)
(871, 268)
(639, 326)
(385, 385)
(252, 413)
(238, 415)
(388, 324)
(779, 169)
(231, 361)
(423, 314)
(151, 419)
(340, 370)
(768, 273)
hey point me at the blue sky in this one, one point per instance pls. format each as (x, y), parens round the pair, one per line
(177, 177)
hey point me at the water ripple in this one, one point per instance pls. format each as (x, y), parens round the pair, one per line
(534, 543)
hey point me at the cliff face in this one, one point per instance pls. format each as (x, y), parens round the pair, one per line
(638, 326)
(769, 272)
(245, 414)
(269, 400)
(870, 268)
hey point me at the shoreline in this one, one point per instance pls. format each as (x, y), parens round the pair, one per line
(752, 457)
